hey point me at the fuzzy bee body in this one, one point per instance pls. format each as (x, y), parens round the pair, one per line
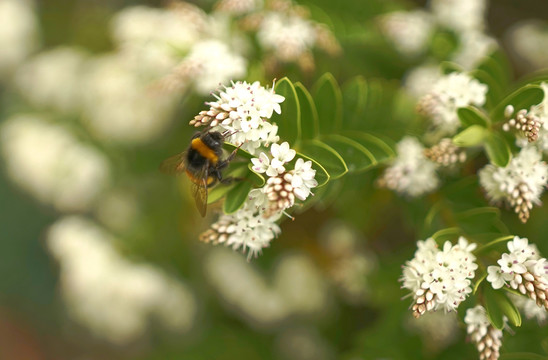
(202, 163)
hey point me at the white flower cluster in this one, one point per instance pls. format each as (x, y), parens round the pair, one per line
(18, 33)
(530, 308)
(449, 93)
(288, 36)
(439, 278)
(178, 44)
(243, 110)
(52, 79)
(410, 31)
(110, 295)
(520, 183)
(487, 338)
(411, 172)
(297, 287)
(48, 162)
(522, 269)
(540, 114)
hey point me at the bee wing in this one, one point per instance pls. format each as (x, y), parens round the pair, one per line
(199, 190)
(174, 164)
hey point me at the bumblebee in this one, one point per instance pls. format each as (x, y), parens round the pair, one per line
(202, 164)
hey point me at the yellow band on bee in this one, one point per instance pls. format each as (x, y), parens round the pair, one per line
(204, 150)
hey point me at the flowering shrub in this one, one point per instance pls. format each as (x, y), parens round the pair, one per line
(349, 130)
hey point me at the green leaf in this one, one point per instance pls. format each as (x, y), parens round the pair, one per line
(378, 147)
(494, 242)
(218, 192)
(355, 155)
(309, 113)
(523, 98)
(448, 67)
(328, 99)
(498, 305)
(325, 155)
(443, 235)
(494, 91)
(493, 307)
(354, 95)
(497, 149)
(322, 177)
(237, 196)
(289, 119)
(480, 220)
(498, 68)
(471, 136)
(477, 284)
(471, 115)
(256, 178)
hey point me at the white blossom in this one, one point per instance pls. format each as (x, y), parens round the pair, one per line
(411, 173)
(51, 164)
(449, 93)
(410, 31)
(110, 295)
(522, 269)
(526, 40)
(303, 178)
(52, 79)
(529, 308)
(18, 33)
(473, 48)
(155, 37)
(460, 15)
(238, 7)
(520, 183)
(119, 103)
(248, 228)
(244, 110)
(287, 36)
(210, 63)
(439, 278)
(487, 338)
(418, 81)
(281, 154)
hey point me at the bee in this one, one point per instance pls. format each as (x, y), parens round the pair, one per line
(202, 164)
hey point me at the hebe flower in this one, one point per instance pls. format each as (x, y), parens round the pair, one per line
(486, 337)
(522, 269)
(439, 278)
(520, 183)
(243, 110)
(449, 93)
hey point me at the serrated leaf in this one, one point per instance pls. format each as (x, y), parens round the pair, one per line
(473, 135)
(522, 98)
(309, 113)
(289, 119)
(497, 149)
(328, 100)
(326, 156)
(471, 115)
(354, 95)
(356, 156)
(379, 148)
(237, 196)
(322, 177)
